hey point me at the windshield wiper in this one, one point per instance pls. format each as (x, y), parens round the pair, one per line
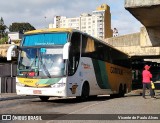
(44, 67)
(30, 68)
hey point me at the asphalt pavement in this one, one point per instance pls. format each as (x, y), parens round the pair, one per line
(11, 96)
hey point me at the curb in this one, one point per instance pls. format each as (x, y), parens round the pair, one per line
(4, 97)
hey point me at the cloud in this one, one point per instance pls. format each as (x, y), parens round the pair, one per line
(35, 11)
(125, 22)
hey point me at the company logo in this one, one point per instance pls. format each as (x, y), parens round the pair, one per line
(36, 84)
(116, 70)
(28, 81)
(73, 89)
(6, 117)
(85, 66)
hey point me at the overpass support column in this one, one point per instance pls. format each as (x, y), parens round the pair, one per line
(150, 37)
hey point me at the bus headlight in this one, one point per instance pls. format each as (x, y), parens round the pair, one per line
(53, 86)
(20, 84)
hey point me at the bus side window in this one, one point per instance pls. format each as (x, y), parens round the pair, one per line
(88, 47)
(106, 53)
(110, 57)
(119, 58)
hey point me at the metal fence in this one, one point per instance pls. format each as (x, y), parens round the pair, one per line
(7, 78)
(8, 85)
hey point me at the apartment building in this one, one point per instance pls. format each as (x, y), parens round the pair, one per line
(97, 24)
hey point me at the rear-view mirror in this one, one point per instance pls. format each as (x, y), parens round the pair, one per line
(11, 52)
(66, 50)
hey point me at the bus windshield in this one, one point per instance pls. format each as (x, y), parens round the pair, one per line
(41, 62)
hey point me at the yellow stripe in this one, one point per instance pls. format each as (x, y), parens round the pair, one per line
(50, 30)
(30, 82)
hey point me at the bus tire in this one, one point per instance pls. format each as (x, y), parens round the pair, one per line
(125, 89)
(121, 91)
(114, 95)
(44, 98)
(85, 92)
(93, 97)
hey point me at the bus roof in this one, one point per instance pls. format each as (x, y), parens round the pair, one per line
(50, 30)
(69, 30)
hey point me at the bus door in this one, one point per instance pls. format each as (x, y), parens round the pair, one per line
(74, 70)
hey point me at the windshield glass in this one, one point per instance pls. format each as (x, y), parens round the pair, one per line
(41, 62)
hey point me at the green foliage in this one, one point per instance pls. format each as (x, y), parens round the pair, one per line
(1, 21)
(16, 41)
(2, 28)
(3, 40)
(20, 27)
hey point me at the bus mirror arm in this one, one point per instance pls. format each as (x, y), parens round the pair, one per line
(66, 50)
(9, 52)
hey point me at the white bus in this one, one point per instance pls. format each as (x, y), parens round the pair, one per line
(69, 63)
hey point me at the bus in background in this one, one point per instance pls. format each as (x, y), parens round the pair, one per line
(69, 63)
(138, 67)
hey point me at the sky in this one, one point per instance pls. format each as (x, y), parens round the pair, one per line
(40, 13)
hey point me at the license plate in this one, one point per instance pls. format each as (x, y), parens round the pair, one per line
(37, 92)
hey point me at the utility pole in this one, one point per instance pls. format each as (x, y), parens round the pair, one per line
(0, 34)
(45, 21)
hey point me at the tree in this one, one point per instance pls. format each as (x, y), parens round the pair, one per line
(20, 27)
(1, 21)
(2, 27)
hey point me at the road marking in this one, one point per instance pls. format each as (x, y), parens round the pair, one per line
(85, 107)
(78, 110)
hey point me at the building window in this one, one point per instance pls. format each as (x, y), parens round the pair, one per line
(73, 20)
(83, 23)
(84, 19)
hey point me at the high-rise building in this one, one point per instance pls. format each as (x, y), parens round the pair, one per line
(97, 24)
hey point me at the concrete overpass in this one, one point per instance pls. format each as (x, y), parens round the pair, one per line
(147, 12)
(146, 43)
(137, 45)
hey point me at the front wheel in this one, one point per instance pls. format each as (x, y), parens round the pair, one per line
(93, 97)
(44, 98)
(85, 92)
